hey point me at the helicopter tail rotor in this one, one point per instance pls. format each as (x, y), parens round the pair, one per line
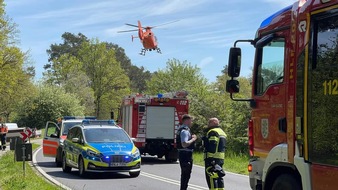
(132, 37)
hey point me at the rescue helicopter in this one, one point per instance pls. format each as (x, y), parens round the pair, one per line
(147, 37)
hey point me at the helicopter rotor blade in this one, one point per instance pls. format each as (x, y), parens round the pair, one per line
(165, 24)
(127, 31)
(133, 25)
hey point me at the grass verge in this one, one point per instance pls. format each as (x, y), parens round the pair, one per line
(236, 163)
(12, 177)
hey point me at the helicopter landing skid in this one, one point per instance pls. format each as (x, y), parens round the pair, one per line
(143, 52)
(158, 50)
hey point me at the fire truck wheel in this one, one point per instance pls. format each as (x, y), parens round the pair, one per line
(286, 181)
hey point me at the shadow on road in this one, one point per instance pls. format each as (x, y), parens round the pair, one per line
(74, 175)
(152, 160)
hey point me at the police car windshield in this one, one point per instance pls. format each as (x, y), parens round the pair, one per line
(99, 135)
(68, 125)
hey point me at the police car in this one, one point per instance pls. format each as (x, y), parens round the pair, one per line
(100, 146)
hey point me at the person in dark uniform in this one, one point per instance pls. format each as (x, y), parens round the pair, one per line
(185, 145)
(214, 149)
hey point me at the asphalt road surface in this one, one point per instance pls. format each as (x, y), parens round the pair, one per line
(155, 174)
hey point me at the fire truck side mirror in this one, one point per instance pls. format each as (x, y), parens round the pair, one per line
(234, 65)
(232, 86)
(112, 115)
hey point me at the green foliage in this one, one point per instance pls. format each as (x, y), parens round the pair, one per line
(104, 72)
(233, 162)
(15, 75)
(12, 177)
(47, 104)
(71, 47)
(137, 75)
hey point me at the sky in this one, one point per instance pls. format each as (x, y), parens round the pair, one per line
(205, 30)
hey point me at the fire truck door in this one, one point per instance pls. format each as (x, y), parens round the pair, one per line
(322, 103)
(51, 139)
(269, 87)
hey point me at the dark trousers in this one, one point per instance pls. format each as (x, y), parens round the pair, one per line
(3, 142)
(214, 183)
(186, 163)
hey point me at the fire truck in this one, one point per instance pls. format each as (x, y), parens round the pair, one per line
(152, 122)
(293, 130)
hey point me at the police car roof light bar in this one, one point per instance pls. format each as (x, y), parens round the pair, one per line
(78, 117)
(98, 122)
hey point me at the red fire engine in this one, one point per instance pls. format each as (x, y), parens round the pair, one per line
(152, 121)
(294, 125)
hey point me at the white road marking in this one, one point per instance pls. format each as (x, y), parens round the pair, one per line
(48, 177)
(172, 181)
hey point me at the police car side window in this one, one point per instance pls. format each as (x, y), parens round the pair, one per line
(70, 134)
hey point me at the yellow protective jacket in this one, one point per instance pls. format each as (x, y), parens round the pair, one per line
(214, 143)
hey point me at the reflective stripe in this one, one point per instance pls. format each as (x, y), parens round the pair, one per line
(186, 149)
(218, 155)
(221, 134)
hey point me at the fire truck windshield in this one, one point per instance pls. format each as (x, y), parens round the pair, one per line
(270, 65)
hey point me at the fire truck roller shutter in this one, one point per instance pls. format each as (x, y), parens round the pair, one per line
(160, 122)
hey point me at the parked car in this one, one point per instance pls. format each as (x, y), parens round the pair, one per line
(13, 131)
(100, 146)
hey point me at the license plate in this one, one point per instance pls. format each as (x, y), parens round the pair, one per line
(117, 164)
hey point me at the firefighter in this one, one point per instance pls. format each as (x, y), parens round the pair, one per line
(214, 148)
(185, 144)
(3, 133)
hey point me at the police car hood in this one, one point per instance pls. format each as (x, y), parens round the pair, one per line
(112, 148)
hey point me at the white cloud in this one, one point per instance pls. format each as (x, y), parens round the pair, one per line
(205, 61)
(174, 6)
(281, 3)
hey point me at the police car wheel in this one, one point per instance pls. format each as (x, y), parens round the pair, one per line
(65, 168)
(82, 171)
(134, 174)
(58, 162)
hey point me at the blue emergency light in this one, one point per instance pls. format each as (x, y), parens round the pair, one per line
(159, 95)
(98, 122)
(127, 158)
(78, 117)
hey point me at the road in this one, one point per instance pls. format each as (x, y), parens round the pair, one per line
(156, 174)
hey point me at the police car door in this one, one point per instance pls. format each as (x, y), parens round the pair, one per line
(51, 139)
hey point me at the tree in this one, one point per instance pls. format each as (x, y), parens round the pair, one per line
(71, 46)
(103, 70)
(137, 75)
(15, 77)
(234, 115)
(47, 104)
